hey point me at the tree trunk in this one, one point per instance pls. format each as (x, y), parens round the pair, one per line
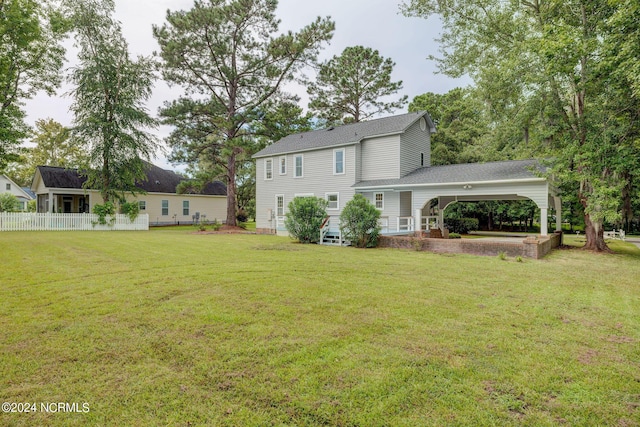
(595, 236)
(231, 189)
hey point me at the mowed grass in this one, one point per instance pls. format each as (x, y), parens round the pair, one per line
(167, 327)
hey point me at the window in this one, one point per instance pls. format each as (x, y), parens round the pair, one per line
(165, 207)
(333, 200)
(268, 169)
(283, 165)
(298, 166)
(185, 207)
(338, 162)
(379, 199)
(142, 205)
(8, 187)
(422, 159)
(280, 205)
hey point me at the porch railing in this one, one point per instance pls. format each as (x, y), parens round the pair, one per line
(405, 223)
(10, 221)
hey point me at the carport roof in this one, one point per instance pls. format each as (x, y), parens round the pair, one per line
(515, 170)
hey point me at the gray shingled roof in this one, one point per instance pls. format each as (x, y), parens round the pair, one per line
(343, 135)
(158, 180)
(464, 173)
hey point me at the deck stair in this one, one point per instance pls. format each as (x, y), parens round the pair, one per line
(330, 233)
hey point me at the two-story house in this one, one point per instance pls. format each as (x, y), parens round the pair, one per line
(388, 160)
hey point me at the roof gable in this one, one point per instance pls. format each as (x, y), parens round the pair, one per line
(348, 134)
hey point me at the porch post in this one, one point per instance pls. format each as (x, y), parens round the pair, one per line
(558, 206)
(544, 226)
(440, 216)
(417, 222)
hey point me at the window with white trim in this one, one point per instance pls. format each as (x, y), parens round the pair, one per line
(379, 200)
(280, 205)
(142, 205)
(185, 207)
(268, 168)
(165, 207)
(338, 162)
(334, 201)
(8, 186)
(297, 166)
(283, 165)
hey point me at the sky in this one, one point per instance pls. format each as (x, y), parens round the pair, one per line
(377, 24)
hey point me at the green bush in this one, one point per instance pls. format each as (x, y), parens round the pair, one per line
(359, 222)
(454, 236)
(108, 209)
(9, 203)
(130, 209)
(462, 225)
(304, 219)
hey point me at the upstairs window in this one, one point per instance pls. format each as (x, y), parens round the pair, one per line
(338, 162)
(283, 165)
(268, 169)
(298, 164)
(8, 187)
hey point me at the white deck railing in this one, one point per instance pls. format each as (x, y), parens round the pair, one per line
(10, 221)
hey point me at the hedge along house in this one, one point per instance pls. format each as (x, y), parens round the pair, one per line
(388, 160)
(61, 190)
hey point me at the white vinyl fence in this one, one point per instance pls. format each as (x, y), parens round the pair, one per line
(10, 221)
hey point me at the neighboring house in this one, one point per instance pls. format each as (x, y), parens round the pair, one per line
(387, 160)
(61, 190)
(8, 186)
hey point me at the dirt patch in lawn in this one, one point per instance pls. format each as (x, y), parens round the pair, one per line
(226, 229)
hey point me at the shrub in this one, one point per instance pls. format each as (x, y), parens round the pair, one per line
(462, 225)
(130, 209)
(108, 209)
(241, 216)
(502, 256)
(359, 222)
(454, 236)
(304, 219)
(9, 203)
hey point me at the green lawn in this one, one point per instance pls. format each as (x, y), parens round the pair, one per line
(167, 327)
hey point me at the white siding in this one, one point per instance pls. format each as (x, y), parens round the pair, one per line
(318, 179)
(413, 142)
(380, 158)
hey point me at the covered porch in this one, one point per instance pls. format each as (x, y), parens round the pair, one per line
(63, 201)
(509, 180)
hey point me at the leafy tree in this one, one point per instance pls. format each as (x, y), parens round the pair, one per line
(31, 56)
(109, 94)
(359, 222)
(305, 217)
(232, 65)
(349, 87)
(539, 63)
(53, 148)
(9, 203)
(460, 119)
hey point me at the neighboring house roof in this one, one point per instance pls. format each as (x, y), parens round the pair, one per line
(30, 193)
(344, 135)
(158, 180)
(517, 170)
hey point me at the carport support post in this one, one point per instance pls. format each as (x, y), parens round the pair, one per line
(558, 206)
(544, 222)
